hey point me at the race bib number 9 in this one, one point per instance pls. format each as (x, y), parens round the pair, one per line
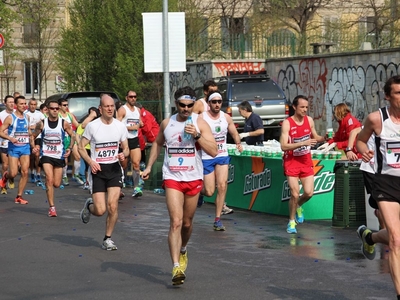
(181, 159)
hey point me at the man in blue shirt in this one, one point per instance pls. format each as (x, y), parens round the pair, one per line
(253, 126)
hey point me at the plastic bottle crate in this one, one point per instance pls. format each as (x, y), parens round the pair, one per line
(349, 196)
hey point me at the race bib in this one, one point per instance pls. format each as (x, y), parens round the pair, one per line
(22, 138)
(221, 145)
(181, 159)
(52, 146)
(106, 152)
(303, 150)
(393, 154)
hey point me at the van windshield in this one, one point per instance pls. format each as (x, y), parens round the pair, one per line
(79, 106)
(251, 89)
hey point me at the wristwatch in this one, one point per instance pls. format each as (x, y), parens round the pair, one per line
(348, 149)
(197, 136)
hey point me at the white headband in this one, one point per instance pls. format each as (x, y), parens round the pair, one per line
(186, 97)
(214, 95)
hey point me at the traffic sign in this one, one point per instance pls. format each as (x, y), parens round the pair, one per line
(1, 40)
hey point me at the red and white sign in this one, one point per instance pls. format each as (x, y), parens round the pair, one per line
(1, 40)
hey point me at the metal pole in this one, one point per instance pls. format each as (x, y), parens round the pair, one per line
(167, 100)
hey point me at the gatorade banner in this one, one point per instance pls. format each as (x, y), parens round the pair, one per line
(258, 184)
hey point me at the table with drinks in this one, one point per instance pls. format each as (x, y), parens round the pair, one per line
(256, 182)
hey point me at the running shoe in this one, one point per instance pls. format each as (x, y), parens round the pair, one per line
(3, 191)
(367, 249)
(52, 212)
(33, 178)
(291, 227)
(108, 245)
(137, 192)
(85, 212)
(78, 179)
(226, 210)
(200, 201)
(20, 200)
(10, 183)
(38, 178)
(178, 276)
(183, 260)
(121, 195)
(3, 180)
(86, 186)
(299, 215)
(65, 181)
(218, 226)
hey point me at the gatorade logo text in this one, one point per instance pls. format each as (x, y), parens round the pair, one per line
(231, 173)
(259, 181)
(323, 183)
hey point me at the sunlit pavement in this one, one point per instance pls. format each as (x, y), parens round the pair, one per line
(61, 258)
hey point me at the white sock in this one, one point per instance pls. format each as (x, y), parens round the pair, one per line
(77, 166)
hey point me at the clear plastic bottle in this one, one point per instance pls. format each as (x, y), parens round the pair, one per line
(188, 136)
(159, 191)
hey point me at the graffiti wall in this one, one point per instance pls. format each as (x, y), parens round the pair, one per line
(356, 79)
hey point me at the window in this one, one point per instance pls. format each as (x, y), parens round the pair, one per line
(235, 34)
(31, 77)
(31, 32)
(331, 29)
(367, 25)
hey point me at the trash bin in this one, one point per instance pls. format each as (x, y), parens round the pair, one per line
(349, 196)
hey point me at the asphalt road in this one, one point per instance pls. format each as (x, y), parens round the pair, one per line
(61, 258)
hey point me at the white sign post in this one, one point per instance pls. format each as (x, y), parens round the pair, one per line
(1, 58)
(153, 42)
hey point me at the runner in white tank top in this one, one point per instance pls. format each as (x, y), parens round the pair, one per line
(182, 172)
(385, 124)
(216, 169)
(129, 115)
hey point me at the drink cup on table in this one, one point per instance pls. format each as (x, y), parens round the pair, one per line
(329, 133)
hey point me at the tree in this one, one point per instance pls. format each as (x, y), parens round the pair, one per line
(102, 48)
(297, 15)
(7, 15)
(39, 18)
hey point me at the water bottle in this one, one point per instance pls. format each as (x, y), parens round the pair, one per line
(28, 192)
(188, 136)
(61, 187)
(159, 191)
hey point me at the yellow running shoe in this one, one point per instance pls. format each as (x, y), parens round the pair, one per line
(178, 276)
(11, 183)
(3, 191)
(183, 260)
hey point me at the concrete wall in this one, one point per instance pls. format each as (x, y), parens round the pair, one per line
(355, 78)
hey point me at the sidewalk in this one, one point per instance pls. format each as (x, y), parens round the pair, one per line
(61, 258)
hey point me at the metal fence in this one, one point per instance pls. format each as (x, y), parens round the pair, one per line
(278, 44)
(156, 107)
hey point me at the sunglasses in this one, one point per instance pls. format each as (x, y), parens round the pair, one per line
(132, 96)
(216, 101)
(54, 108)
(183, 105)
(65, 105)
